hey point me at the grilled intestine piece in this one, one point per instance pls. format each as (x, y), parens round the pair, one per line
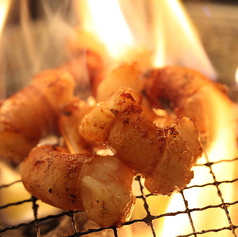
(187, 93)
(98, 185)
(164, 157)
(31, 113)
(131, 75)
(127, 75)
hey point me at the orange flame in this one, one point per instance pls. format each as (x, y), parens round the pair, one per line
(236, 76)
(105, 20)
(224, 147)
(176, 40)
(4, 8)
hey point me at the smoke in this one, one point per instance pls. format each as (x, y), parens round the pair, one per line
(35, 41)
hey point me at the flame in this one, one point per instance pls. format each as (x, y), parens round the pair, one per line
(176, 40)
(187, 50)
(222, 116)
(4, 8)
(108, 24)
(236, 76)
(224, 147)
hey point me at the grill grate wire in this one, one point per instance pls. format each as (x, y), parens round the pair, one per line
(149, 217)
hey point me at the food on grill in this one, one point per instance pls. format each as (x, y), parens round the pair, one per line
(186, 93)
(131, 75)
(125, 75)
(99, 185)
(160, 147)
(32, 112)
(163, 156)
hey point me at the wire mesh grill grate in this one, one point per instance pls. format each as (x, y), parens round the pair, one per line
(151, 214)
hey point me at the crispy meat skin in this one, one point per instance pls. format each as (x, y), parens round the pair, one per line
(32, 113)
(101, 186)
(163, 156)
(187, 93)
